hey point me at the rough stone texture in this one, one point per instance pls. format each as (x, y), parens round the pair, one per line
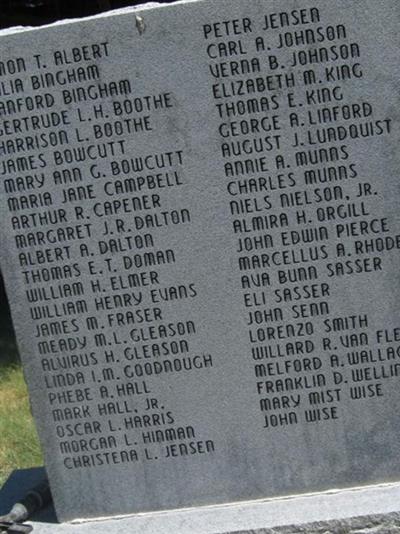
(375, 524)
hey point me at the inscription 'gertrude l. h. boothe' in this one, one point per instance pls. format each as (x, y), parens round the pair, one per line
(200, 245)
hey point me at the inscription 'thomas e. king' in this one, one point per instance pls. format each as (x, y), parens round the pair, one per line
(200, 245)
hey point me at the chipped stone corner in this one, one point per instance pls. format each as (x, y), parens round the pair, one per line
(140, 24)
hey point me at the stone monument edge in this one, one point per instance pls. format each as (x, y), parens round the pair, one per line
(145, 5)
(359, 506)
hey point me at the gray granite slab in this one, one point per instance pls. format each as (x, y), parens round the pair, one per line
(200, 235)
(360, 510)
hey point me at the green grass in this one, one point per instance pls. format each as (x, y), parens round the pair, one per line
(19, 446)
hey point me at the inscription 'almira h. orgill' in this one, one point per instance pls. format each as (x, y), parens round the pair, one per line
(199, 240)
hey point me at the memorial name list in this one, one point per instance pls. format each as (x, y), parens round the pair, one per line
(200, 241)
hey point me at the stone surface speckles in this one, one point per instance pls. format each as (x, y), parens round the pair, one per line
(200, 238)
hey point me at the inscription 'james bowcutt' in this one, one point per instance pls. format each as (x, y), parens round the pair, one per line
(199, 237)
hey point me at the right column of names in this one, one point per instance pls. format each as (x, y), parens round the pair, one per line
(288, 94)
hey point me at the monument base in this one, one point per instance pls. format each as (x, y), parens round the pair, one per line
(372, 509)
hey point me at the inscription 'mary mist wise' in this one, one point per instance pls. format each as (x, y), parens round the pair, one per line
(200, 244)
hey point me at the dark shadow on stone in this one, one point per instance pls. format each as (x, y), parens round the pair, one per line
(17, 486)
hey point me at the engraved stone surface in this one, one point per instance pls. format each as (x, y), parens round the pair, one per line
(200, 236)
